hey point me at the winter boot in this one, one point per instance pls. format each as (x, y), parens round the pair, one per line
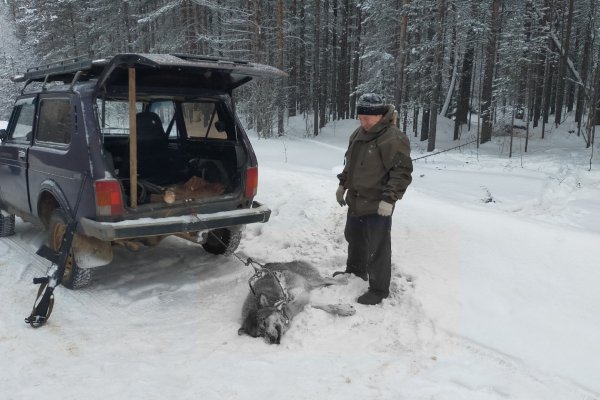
(371, 298)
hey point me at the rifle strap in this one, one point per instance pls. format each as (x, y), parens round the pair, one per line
(34, 319)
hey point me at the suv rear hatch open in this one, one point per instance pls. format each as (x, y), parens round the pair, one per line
(180, 71)
(173, 146)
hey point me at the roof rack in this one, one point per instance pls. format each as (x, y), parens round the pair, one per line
(64, 70)
(69, 66)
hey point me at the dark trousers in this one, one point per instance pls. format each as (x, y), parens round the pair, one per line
(370, 250)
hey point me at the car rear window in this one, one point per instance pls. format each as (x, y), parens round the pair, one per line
(114, 116)
(56, 121)
(201, 119)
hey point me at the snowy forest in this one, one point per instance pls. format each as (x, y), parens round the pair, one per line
(494, 245)
(498, 61)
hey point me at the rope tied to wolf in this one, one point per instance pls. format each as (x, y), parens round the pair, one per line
(247, 262)
(259, 272)
(283, 297)
(250, 262)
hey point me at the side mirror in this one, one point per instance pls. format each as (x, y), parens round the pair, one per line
(3, 135)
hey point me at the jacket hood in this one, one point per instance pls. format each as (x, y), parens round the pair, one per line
(386, 120)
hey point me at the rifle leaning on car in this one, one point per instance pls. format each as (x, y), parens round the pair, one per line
(44, 302)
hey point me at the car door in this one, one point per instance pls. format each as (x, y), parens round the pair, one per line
(14, 156)
(56, 163)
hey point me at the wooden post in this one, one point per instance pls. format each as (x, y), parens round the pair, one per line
(132, 141)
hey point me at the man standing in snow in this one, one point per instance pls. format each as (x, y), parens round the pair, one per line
(377, 172)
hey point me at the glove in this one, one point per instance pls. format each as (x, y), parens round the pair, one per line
(385, 209)
(339, 195)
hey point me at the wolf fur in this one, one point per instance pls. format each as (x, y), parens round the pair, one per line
(264, 314)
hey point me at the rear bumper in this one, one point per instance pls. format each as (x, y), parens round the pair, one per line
(136, 228)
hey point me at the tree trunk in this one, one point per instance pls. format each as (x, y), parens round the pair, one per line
(348, 61)
(186, 20)
(529, 99)
(324, 67)
(437, 74)
(334, 64)
(549, 67)
(464, 89)
(343, 82)
(426, 88)
(451, 87)
(280, 50)
(260, 113)
(425, 123)
(416, 121)
(539, 87)
(400, 62)
(293, 65)
(127, 31)
(303, 80)
(356, 61)
(490, 58)
(562, 70)
(594, 107)
(316, 80)
(585, 64)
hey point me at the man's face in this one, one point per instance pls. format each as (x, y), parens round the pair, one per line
(368, 121)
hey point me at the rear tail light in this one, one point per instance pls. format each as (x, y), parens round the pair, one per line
(109, 201)
(251, 182)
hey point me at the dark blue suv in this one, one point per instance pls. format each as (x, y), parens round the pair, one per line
(151, 145)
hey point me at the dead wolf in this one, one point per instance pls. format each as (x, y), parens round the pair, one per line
(278, 293)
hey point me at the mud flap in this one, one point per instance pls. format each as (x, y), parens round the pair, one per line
(90, 252)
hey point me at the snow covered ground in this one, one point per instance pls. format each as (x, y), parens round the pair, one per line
(494, 293)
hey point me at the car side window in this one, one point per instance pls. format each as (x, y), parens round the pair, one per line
(56, 121)
(21, 122)
(202, 120)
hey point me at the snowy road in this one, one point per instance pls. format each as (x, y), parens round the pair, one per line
(489, 300)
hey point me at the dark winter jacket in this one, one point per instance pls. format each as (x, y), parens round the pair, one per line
(378, 166)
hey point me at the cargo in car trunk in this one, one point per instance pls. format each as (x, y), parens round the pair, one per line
(188, 149)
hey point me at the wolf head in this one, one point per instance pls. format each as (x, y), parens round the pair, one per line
(266, 320)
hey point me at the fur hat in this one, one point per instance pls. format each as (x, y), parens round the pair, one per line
(371, 104)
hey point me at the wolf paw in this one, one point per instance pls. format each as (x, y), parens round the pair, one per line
(341, 279)
(345, 310)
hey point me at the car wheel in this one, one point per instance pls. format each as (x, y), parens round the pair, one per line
(222, 241)
(7, 224)
(74, 276)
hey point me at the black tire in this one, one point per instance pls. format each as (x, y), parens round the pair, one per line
(7, 224)
(74, 276)
(222, 241)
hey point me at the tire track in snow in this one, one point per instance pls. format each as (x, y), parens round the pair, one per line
(38, 266)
